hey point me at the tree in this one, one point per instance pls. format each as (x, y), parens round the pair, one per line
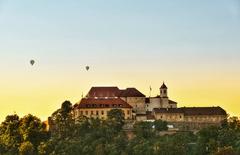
(225, 151)
(9, 134)
(116, 119)
(160, 125)
(66, 109)
(33, 130)
(26, 148)
(234, 123)
(144, 129)
(61, 121)
(140, 146)
(208, 140)
(227, 137)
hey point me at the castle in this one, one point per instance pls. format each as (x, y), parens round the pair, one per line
(137, 107)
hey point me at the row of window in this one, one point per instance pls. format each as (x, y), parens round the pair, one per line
(101, 112)
(174, 116)
(207, 118)
(103, 105)
(199, 118)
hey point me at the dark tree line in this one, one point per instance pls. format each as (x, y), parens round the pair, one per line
(88, 136)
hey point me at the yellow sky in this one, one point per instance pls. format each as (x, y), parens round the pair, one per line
(42, 92)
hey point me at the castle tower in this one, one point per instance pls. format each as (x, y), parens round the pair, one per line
(163, 91)
(164, 102)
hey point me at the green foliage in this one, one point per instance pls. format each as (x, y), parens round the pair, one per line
(225, 151)
(234, 123)
(21, 135)
(116, 118)
(33, 130)
(144, 129)
(9, 134)
(160, 125)
(89, 136)
(211, 139)
(140, 145)
(63, 121)
(26, 148)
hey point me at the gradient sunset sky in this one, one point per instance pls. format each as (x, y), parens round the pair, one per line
(194, 46)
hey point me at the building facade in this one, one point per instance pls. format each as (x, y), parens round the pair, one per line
(191, 117)
(160, 101)
(136, 106)
(130, 95)
(99, 108)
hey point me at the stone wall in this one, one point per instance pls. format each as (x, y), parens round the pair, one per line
(193, 126)
(138, 103)
(170, 117)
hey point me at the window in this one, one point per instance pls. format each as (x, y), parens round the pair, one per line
(91, 112)
(96, 112)
(180, 116)
(86, 112)
(81, 112)
(128, 112)
(165, 91)
(102, 112)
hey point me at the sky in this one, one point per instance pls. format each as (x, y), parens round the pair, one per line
(193, 46)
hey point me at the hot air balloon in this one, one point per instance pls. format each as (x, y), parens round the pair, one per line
(32, 62)
(87, 68)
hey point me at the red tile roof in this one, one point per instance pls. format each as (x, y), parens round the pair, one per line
(103, 103)
(191, 111)
(130, 92)
(102, 92)
(204, 111)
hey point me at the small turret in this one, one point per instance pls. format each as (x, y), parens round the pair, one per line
(163, 91)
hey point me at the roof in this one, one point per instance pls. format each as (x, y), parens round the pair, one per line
(203, 111)
(163, 86)
(103, 103)
(130, 92)
(102, 92)
(172, 102)
(191, 111)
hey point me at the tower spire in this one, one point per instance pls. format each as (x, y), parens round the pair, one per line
(163, 90)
